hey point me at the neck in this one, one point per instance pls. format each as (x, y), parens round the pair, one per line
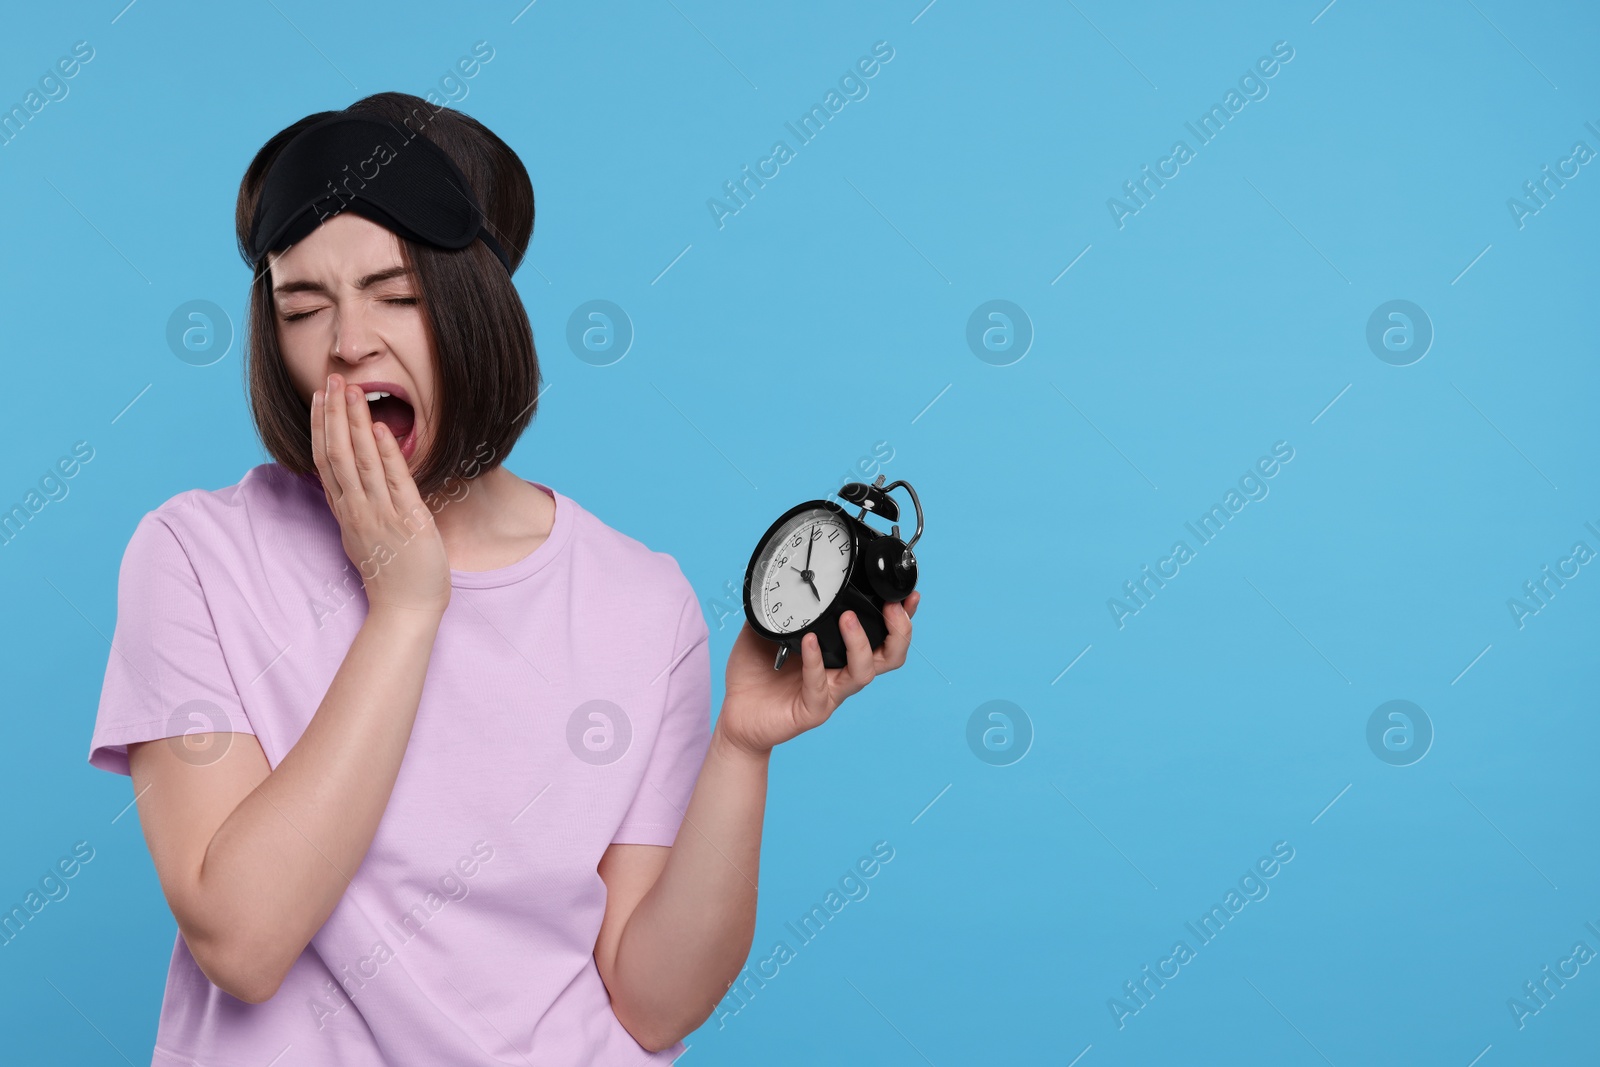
(494, 507)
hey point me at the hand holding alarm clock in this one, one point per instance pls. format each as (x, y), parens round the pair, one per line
(822, 572)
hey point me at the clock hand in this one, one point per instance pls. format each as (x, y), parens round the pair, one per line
(805, 576)
(811, 542)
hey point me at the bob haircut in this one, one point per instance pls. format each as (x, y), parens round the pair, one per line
(488, 384)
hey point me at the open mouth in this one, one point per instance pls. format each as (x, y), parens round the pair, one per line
(396, 414)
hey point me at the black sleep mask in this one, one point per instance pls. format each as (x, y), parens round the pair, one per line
(383, 172)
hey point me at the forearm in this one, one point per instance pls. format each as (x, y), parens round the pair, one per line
(690, 934)
(280, 862)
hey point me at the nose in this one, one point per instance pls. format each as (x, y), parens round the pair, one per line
(354, 338)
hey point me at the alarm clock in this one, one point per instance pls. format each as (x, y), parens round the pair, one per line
(818, 561)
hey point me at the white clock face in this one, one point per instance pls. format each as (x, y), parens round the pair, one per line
(802, 568)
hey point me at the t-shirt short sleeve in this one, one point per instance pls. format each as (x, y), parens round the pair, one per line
(680, 748)
(166, 675)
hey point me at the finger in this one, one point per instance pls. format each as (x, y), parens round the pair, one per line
(895, 646)
(910, 603)
(319, 447)
(365, 448)
(397, 477)
(336, 424)
(858, 656)
(813, 679)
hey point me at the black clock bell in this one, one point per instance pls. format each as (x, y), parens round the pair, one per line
(817, 561)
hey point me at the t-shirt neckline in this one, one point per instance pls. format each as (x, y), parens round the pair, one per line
(533, 562)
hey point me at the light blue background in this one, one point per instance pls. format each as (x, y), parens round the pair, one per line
(831, 313)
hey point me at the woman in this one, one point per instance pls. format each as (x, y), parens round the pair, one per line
(422, 749)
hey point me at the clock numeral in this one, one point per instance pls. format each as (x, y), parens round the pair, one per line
(844, 549)
(794, 541)
(787, 621)
(833, 534)
(770, 588)
(774, 609)
(781, 560)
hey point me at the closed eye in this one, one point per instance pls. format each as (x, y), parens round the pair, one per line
(403, 301)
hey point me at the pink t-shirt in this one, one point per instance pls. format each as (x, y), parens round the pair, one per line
(567, 707)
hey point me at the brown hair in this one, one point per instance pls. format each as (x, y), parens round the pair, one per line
(483, 343)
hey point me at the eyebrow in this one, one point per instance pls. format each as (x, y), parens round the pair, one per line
(361, 283)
